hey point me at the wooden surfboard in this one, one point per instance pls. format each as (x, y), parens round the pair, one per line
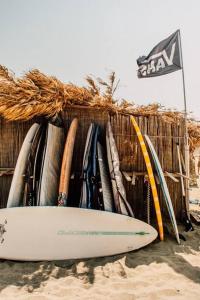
(187, 221)
(57, 233)
(49, 187)
(66, 164)
(164, 187)
(16, 194)
(105, 180)
(151, 177)
(116, 173)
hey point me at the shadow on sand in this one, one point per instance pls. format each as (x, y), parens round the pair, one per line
(33, 275)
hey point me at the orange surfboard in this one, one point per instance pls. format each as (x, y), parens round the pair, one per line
(66, 164)
(151, 178)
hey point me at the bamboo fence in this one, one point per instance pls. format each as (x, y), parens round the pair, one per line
(164, 136)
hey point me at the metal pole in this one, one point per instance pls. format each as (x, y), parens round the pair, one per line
(187, 153)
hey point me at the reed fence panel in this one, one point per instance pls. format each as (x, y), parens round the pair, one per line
(164, 136)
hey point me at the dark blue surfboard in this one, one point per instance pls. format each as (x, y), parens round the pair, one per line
(93, 174)
(90, 174)
(85, 190)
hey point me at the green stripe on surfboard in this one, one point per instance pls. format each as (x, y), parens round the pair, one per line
(84, 232)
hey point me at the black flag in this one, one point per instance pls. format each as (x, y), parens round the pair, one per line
(163, 59)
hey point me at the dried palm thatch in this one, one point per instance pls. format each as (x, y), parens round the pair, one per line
(36, 94)
(194, 134)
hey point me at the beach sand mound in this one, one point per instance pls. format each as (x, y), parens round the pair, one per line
(162, 270)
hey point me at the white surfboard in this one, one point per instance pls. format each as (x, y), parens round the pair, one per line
(164, 187)
(50, 174)
(115, 171)
(18, 181)
(56, 233)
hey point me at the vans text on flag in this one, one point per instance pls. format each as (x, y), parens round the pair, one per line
(163, 59)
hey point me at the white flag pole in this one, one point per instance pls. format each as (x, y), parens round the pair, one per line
(186, 139)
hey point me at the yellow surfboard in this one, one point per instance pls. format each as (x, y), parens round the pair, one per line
(151, 177)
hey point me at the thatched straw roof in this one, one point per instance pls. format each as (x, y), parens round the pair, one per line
(36, 94)
(194, 134)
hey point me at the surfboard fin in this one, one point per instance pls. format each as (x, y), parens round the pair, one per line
(182, 237)
(188, 225)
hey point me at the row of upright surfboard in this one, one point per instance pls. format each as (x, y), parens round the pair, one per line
(38, 224)
(43, 170)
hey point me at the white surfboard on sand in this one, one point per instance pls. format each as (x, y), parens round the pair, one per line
(56, 233)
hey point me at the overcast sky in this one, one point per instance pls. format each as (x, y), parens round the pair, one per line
(73, 38)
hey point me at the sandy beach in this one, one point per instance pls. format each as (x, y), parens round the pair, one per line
(98, 106)
(162, 270)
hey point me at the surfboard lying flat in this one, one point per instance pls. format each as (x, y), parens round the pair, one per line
(56, 233)
(163, 187)
(151, 177)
